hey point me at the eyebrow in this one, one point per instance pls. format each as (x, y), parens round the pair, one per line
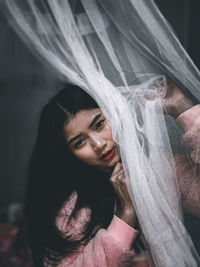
(90, 126)
(94, 120)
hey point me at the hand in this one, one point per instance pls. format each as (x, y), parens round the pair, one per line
(118, 180)
(175, 101)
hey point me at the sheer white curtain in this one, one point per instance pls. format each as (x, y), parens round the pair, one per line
(117, 51)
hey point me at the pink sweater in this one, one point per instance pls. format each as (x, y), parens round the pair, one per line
(112, 247)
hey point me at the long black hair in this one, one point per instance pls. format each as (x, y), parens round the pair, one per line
(54, 174)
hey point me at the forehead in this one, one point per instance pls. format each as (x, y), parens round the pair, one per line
(80, 121)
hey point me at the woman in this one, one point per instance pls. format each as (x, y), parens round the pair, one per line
(78, 207)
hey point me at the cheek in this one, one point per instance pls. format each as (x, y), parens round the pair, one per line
(85, 154)
(108, 133)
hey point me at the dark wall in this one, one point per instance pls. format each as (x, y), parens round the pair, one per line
(25, 85)
(183, 15)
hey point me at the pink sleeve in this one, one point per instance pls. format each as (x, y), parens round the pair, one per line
(190, 122)
(188, 169)
(110, 247)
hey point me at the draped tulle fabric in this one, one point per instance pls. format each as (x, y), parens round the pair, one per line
(119, 52)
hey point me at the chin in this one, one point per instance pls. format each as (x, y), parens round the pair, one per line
(114, 161)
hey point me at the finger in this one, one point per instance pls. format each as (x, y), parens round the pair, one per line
(120, 175)
(117, 178)
(119, 172)
(116, 175)
(118, 167)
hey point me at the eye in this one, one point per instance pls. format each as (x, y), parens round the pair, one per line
(99, 125)
(79, 143)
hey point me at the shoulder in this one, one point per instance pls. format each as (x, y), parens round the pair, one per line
(72, 225)
(68, 207)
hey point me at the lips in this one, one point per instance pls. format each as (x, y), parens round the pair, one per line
(108, 155)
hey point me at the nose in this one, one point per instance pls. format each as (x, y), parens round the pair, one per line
(98, 142)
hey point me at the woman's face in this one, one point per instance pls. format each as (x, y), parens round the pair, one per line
(89, 138)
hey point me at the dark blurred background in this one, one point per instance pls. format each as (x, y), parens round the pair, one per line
(25, 85)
